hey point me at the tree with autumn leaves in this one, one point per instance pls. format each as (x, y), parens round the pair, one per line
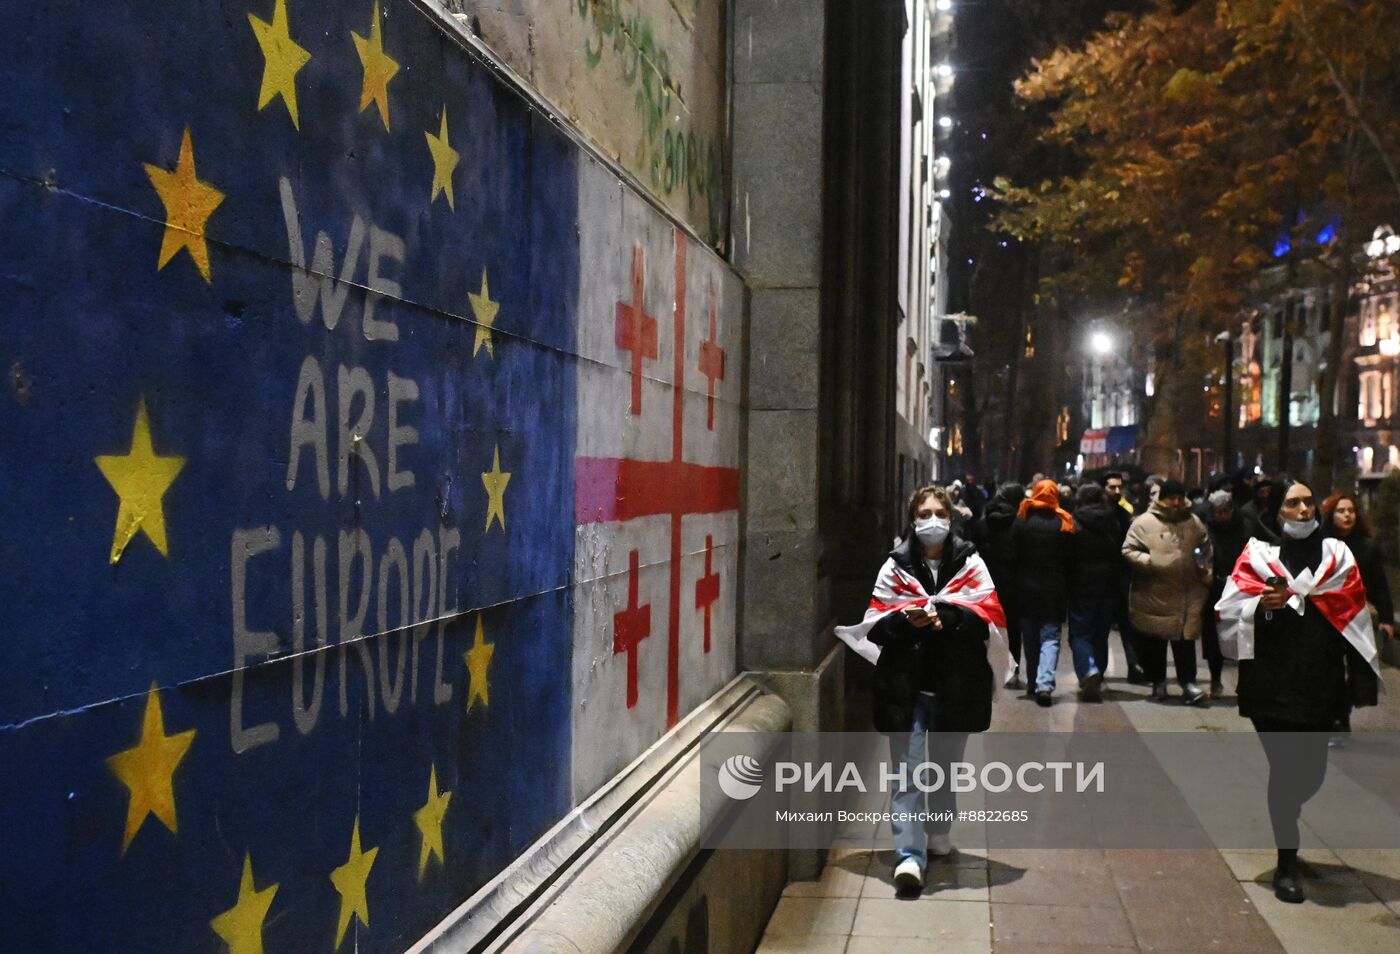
(1187, 140)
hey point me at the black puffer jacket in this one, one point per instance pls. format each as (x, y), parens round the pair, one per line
(1098, 557)
(992, 537)
(950, 662)
(1044, 563)
(1303, 671)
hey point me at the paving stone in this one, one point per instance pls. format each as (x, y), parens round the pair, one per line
(885, 945)
(1206, 913)
(1308, 928)
(802, 917)
(1092, 888)
(803, 944)
(1019, 948)
(945, 921)
(843, 877)
(1060, 924)
(941, 883)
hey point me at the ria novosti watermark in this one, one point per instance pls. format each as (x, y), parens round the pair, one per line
(1077, 789)
(956, 777)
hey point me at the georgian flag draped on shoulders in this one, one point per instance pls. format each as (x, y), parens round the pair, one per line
(971, 588)
(1336, 590)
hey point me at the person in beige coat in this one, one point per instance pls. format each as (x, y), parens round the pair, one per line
(1169, 552)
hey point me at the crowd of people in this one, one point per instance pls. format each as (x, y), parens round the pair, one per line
(1259, 570)
(1149, 558)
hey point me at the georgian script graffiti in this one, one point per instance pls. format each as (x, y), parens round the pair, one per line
(672, 157)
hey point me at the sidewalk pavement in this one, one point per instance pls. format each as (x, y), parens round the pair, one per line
(1101, 901)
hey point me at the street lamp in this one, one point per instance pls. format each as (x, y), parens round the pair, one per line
(943, 6)
(945, 122)
(1100, 343)
(945, 70)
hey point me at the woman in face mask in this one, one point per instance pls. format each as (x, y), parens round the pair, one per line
(1294, 614)
(936, 633)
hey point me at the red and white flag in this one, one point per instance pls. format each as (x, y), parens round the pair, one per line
(1336, 591)
(971, 588)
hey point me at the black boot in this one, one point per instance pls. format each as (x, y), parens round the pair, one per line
(1288, 881)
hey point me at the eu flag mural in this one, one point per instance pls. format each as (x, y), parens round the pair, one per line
(325, 593)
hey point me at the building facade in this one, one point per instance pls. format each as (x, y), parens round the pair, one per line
(926, 79)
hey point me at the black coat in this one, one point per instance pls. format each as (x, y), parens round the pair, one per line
(1371, 562)
(1044, 563)
(1303, 672)
(1098, 555)
(1227, 543)
(950, 662)
(992, 537)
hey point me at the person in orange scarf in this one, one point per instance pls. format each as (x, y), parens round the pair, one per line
(1043, 541)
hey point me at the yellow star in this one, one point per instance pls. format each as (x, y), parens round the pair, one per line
(148, 770)
(444, 161)
(478, 660)
(379, 68)
(349, 879)
(282, 58)
(429, 822)
(140, 479)
(241, 925)
(485, 311)
(188, 205)
(495, 481)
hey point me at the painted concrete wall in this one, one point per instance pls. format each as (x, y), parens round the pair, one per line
(643, 79)
(323, 470)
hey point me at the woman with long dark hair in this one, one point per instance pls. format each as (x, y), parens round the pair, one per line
(1294, 614)
(1342, 518)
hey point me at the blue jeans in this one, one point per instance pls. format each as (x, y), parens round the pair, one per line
(1089, 626)
(1041, 638)
(1048, 635)
(911, 837)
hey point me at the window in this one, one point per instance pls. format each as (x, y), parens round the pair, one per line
(1368, 322)
(1375, 402)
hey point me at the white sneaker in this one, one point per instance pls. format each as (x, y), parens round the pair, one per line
(940, 846)
(909, 875)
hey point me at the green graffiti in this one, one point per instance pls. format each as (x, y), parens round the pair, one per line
(671, 159)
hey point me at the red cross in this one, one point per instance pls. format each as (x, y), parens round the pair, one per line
(707, 588)
(636, 330)
(631, 625)
(613, 488)
(711, 361)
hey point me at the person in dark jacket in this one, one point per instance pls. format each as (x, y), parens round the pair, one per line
(932, 676)
(1259, 507)
(1303, 674)
(992, 537)
(1042, 539)
(1342, 518)
(1228, 537)
(1094, 583)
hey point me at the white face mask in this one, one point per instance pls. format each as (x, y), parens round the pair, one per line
(1299, 529)
(933, 531)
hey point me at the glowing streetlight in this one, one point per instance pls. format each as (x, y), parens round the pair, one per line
(1100, 343)
(943, 6)
(945, 70)
(945, 122)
